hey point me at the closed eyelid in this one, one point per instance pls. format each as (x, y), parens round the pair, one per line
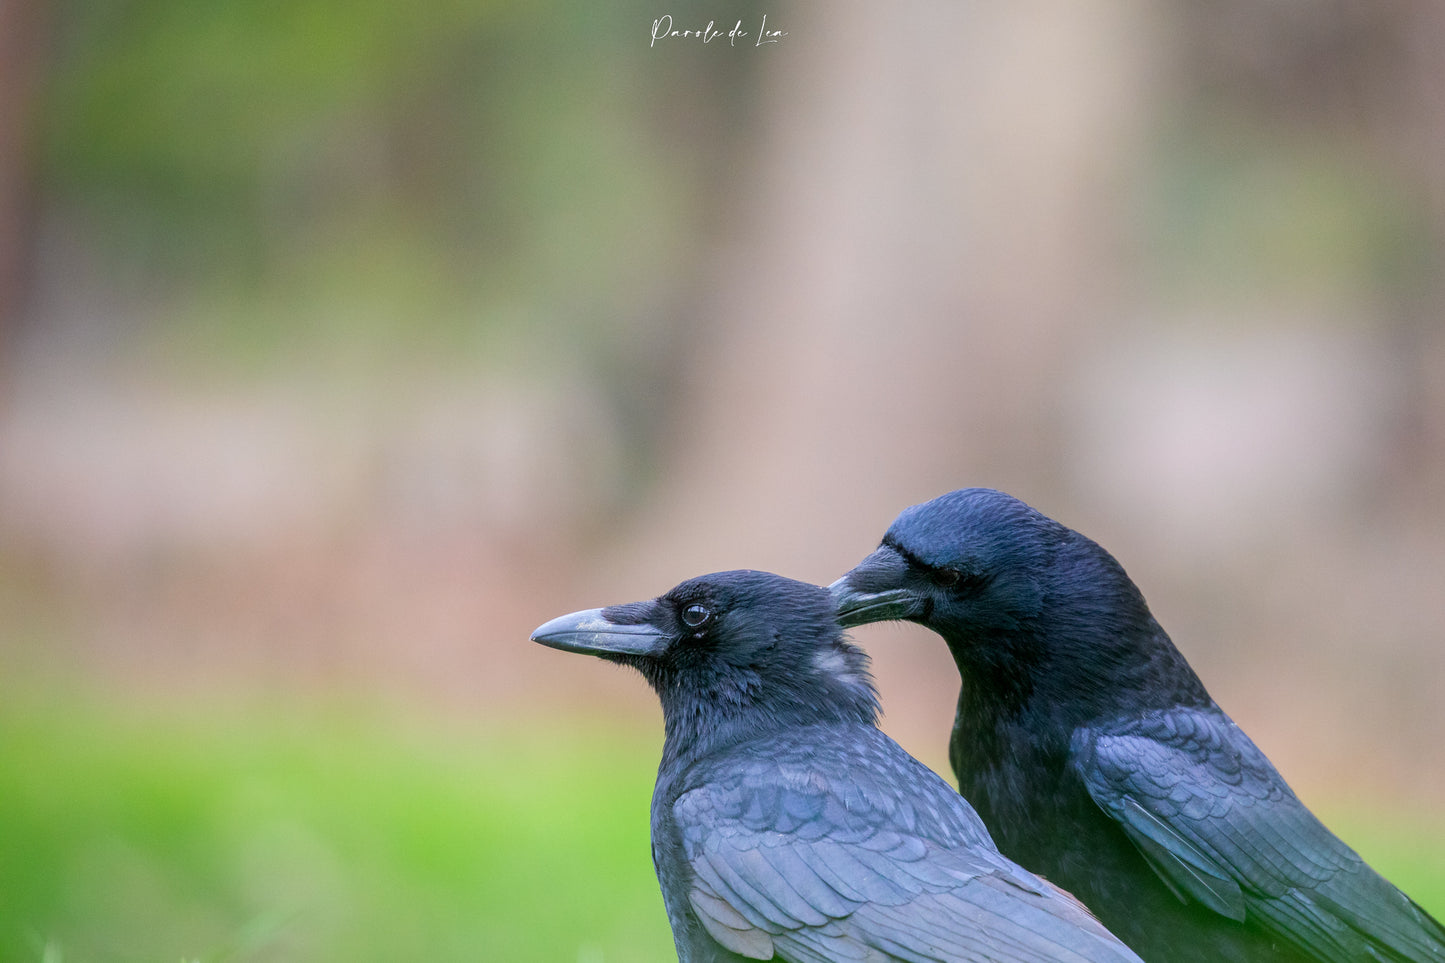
(908, 556)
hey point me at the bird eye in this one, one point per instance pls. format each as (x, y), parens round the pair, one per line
(947, 577)
(695, 615)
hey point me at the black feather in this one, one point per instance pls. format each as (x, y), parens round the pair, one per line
(1097, 758)
(785, 825)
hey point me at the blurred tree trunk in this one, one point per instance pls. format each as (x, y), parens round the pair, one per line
(930, 230)
(22, 32)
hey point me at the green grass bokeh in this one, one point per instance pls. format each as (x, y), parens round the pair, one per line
(322, 837)
(314, 835)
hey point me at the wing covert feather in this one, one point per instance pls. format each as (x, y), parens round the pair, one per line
(1220, 826)
(820, 853)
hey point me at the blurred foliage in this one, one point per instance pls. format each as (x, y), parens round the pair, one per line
(1240, 209)
(325, 185)
(273, 836)
(272, 175)
(349, 836)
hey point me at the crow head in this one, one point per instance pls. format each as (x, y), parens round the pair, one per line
(1024, 603)
(972, 562)
(731, 643)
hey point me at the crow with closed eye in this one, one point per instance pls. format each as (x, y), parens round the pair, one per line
(785, 825)
(1098, 760)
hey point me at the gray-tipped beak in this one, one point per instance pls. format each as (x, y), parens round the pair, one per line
(874, 591)
(591, 632)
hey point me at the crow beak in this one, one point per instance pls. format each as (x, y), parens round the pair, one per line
(591, 632)
(873, 592)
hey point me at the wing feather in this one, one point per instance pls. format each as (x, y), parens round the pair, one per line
(863, 855)
(1221, 827)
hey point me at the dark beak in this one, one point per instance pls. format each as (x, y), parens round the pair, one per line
(592, 632)
(874, 591)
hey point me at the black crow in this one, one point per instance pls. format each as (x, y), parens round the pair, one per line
(1098, 760)
(785, 825)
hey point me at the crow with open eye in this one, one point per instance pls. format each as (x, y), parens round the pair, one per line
(785, 825)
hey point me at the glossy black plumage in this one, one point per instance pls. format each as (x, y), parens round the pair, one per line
(1098, 760)
(785, 825)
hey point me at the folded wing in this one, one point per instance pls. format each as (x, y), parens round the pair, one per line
(817, 855)
(1221, 828)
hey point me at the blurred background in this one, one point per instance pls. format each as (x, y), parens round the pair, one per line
(342, 344)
